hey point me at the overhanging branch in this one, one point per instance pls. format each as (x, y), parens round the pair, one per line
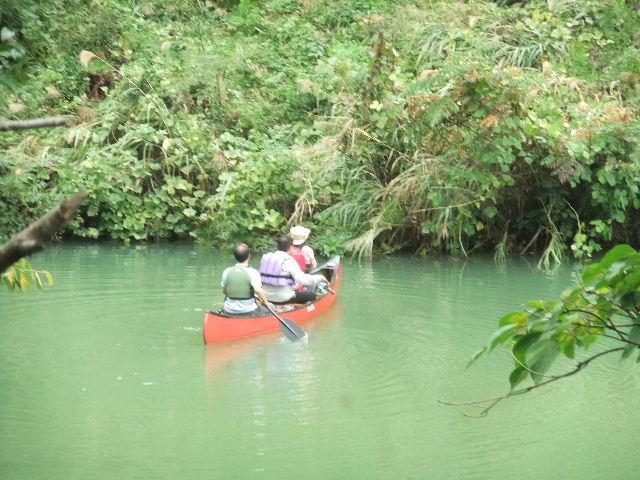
(32, 238)
(33, 123)
(492, 402)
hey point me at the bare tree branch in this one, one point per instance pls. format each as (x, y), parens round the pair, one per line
(31, 239)
(33, 123)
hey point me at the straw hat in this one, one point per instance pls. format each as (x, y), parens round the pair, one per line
(299, 234)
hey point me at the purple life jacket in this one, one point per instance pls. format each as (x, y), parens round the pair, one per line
(271, 272)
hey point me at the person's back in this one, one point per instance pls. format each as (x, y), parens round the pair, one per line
(240, 284)
(279, 272)
(300, 258)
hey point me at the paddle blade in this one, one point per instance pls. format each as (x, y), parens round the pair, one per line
(292, 331)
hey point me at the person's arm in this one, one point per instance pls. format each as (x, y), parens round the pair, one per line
(308, 251)
(292, 267)
(256, 284)
(223, 283)
(262, 295)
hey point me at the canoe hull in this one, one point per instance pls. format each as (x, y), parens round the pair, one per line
(221, 328)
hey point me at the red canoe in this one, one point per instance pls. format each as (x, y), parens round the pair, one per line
(219, 327)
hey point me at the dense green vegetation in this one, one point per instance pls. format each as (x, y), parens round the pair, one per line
(384, 125)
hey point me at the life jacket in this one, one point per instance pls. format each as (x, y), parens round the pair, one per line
(299, 257)
(238, 284)
(271, 271)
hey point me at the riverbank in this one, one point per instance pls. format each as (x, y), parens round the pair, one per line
(384, 126)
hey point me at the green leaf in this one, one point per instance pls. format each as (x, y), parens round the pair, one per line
(632, 282)
(517, 318)
(189, 212)
(522, 345)
(49, 277)
(568, 348)
(586, 340)
(501, 335)
(541, 359)
(7, 82)
(518, 375)
(476, 355)
(634, 336)
(617, 253)
(173, 217)
(535, 304)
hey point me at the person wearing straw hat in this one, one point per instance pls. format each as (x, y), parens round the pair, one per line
(303, 254)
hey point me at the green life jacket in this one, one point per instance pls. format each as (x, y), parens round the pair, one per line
(238, 284)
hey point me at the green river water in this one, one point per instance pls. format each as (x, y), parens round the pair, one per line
(105, 376)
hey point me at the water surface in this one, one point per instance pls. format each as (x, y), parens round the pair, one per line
(105, 376)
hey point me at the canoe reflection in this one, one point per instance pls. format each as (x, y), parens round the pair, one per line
(219, 355)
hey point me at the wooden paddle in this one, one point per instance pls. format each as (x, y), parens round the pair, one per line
(290, 329)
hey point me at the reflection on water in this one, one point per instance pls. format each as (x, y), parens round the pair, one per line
(219, 355)
(105, 376)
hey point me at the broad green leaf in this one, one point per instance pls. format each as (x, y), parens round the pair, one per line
(632, 282)
(628, 350)
(617, 253)
(36, 278)
(568, 348)
(7, 82)
(501, 335)
(518, 375)
(522, 345)
(615, 269)
(586, 340)
(634, 336)
(189, 212)
(541, 359)
(536, 304)
(517, 318)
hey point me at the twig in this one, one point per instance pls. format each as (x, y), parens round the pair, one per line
(528, 369)
(460, 240)
(524, 250)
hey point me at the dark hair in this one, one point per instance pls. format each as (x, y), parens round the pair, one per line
(284, 242)
(241, 252)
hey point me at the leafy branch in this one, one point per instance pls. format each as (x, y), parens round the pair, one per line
(602, 304)
(551, 378)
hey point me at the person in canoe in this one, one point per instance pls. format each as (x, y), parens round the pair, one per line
(241, 284)
(303, 254)
(280, 272)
